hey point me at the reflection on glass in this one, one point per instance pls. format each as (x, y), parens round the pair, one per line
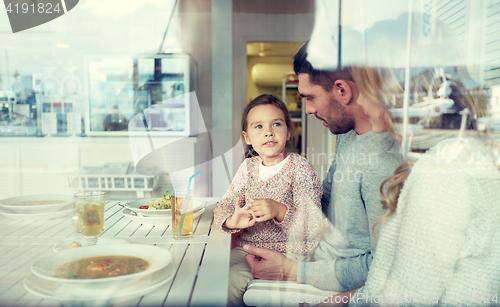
(120, 88)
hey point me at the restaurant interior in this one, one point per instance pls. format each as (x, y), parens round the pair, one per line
(134, 97)
(72, 86)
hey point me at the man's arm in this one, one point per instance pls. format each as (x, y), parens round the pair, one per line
(328, 273)
(327, 189)
(350, 272)
(370, 191)
(270, 264)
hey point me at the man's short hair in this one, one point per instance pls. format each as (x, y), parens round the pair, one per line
(325, 78)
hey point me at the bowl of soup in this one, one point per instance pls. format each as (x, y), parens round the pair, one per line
(99, 265)
(42, 203)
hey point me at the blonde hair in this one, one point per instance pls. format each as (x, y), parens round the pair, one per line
(381, 86)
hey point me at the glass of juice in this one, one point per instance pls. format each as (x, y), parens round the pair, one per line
(182, 213)
(89, 216)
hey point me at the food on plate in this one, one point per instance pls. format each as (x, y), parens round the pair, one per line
(75, 245)
(101, 266)
(159, 203)
(38, 202)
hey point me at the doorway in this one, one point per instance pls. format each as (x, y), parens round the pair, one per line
(270, 71)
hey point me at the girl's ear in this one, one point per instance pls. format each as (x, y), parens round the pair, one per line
(289, 134)
(247, 139)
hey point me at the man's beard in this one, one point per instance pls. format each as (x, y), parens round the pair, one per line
(343, 122)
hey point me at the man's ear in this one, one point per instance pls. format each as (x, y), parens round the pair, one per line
(247, 140)
(342, 91)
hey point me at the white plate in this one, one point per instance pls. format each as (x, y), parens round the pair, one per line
(155, 220)
(63, 245)
(158, 258)
(8, 204)
(135, 204)
(109, 293)
(40, 216)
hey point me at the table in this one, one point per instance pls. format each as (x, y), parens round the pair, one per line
(202, 262)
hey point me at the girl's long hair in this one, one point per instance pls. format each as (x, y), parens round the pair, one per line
(266, 99)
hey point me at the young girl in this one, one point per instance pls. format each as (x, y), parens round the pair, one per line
(275, 197)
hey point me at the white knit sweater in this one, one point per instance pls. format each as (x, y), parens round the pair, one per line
(442, 245)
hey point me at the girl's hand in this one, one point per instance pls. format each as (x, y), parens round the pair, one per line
(241, 217)
(266, 209)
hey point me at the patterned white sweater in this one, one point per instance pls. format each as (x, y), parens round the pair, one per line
(442, 246)
(296, 186)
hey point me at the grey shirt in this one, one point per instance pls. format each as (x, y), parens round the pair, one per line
(352, 200)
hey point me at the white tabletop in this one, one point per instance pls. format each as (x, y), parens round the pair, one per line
(202, 262)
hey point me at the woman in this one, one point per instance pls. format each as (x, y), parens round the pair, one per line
(440, 239)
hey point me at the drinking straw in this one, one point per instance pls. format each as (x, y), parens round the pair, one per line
(186, 202)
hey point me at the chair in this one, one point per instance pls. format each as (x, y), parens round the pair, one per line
(282, 293)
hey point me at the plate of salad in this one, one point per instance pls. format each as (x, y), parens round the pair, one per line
(152, 206)
(156, 206)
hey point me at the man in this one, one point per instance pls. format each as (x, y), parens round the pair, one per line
(351, 197)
